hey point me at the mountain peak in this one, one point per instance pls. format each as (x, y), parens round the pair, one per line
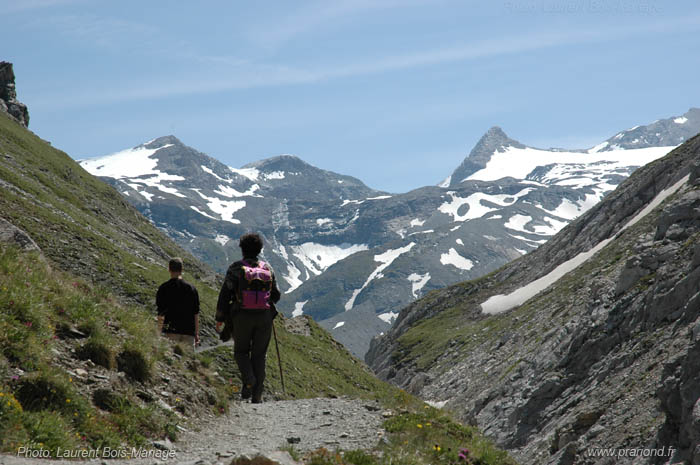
(494, 140)
(285, 162)
(162, 141)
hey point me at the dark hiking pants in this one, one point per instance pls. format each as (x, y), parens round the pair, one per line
(251, 336)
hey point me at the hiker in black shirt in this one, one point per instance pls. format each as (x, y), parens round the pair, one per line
(178, 307)
(247, 300)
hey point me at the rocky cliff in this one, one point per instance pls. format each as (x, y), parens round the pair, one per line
(8, 95)
(601, 360)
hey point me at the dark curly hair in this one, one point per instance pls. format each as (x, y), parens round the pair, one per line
(251, 244)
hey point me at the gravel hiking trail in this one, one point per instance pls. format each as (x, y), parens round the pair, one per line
(250, 429)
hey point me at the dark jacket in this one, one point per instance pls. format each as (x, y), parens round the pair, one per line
(178, 301)
(229, 300)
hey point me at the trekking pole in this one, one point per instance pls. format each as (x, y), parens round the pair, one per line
(279, 360)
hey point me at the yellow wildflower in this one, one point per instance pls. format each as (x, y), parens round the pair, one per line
(419, 425)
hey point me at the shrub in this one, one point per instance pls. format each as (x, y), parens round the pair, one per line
(49, 430)
(97, 351)
(110, 401)
(135, 364)
(43, 392)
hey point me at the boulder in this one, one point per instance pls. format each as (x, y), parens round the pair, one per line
(11, 234)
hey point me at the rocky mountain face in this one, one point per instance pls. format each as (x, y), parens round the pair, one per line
(8, 95)
(583, 348)
(350, 256)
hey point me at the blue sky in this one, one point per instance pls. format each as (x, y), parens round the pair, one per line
(394, 92)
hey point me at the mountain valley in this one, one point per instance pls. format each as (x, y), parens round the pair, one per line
(350, 256)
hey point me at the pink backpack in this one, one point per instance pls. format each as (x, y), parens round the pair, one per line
(256, 286)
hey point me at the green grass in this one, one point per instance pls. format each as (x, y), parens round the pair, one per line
(44, 405)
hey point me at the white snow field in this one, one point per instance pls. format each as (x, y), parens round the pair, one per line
(518, 163)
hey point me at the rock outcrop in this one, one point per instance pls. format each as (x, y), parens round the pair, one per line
(8, 95)
(11, 234)
(604, 359)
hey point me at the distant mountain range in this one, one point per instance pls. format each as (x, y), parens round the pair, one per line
(351, 256)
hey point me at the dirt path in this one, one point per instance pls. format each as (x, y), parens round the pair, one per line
(249, 429)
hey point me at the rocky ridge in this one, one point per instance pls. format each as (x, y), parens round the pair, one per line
(606, 357)
(8, 95)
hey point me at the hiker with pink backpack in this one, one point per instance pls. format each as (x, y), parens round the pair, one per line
(247, 303)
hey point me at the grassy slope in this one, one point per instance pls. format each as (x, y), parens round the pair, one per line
(107, 261)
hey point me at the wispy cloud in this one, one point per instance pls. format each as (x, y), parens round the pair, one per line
(12, 6)
(96, 31)
(322, 14)
(237, 74)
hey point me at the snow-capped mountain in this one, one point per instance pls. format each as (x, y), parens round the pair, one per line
(351, 256)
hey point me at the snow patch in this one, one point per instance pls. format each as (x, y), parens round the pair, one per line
(554, 227)
(346, 202)
(250, 173)
(455, 259)
(317, 257)
(292, 277)
(224, 208)
(434, 404)
(202, 213)
(273, 175)
(148, 196)
(476, 208)
(221, 239)
(417, 222)
(322, 221)
(460, 242)
(386, 259)
(207, 170)
(501, 303)
(388, 317)
(298, 308)
(681, 120)
(230, 192)
(381, 197)
(339, 324)
(418, 282)
(518, 222)
(427, 231)
(446, 182)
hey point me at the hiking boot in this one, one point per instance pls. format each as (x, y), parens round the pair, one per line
(247, 391)
(257, 394)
